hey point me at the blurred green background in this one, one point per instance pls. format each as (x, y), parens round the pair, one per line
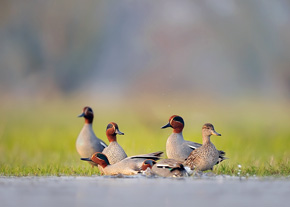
(137, 63)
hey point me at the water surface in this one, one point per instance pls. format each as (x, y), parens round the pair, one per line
(142, 191)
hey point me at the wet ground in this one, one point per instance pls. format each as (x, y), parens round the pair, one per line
(141, 191)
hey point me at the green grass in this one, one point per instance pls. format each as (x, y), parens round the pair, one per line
(39, 139)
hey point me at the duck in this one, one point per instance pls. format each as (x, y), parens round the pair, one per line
(176, 147)
(87, 142)
(128, 166)
(165, 168)
(206, 156)
(114, 151)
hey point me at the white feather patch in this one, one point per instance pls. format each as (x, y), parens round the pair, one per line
(103, 144)
(188, 170)
(192, 147)
(162, 165)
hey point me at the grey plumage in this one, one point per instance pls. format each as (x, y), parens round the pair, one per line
(114, 152)
(168, 168)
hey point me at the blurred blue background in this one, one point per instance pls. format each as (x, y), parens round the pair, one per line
(220, 49)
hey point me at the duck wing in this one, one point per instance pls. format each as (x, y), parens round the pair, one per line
(193, 145)
(221, 156)
(152, 156)
(170, 163)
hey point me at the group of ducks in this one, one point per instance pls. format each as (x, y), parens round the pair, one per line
(184, 157)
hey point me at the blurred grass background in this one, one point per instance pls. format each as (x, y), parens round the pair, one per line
(137, 63)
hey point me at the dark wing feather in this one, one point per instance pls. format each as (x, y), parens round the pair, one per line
(152, 156)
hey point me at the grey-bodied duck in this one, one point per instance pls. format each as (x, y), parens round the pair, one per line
(87, 142)
(115, 153)
(164, 168)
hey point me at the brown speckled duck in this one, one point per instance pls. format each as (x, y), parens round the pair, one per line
(206, 156)
(87, 142)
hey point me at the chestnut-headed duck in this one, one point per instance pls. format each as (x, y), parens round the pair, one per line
(128, 166)
(114, 151)
(87, 142)
(164, 168)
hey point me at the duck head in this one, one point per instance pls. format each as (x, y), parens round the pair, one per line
(88, 114)
(148, 164)
(98, 158)
(175, 122)
(208, 130)
(112, 131)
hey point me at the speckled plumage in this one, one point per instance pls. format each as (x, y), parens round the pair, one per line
(203, 158)
(206, 156)
(114, 152)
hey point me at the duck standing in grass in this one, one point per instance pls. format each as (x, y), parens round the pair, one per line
(87, 142)
(176, 147)
(206, 156)
(128, 166)
(115, 153)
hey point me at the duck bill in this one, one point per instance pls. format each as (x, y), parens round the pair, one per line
(81, 115)
(215, 133)
(117, 131)
(165, 126)
(86, 159)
